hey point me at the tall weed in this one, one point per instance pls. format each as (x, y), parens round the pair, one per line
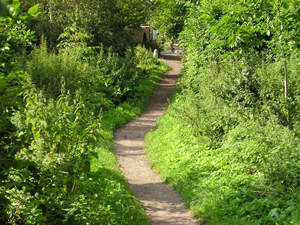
(59, 138)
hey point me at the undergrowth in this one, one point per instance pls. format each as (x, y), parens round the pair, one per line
(63, 170)
(250, 179)
(229, 143)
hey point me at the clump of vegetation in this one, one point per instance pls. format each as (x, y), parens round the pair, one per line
(230, 140)
(59, 106)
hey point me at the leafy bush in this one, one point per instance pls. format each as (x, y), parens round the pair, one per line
(15, 38)
(270, 150)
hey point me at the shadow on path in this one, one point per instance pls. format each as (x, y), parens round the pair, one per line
(161, 203)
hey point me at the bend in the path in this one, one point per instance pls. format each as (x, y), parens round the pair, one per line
(161, 203)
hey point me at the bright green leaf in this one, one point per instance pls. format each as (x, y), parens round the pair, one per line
(33, 10)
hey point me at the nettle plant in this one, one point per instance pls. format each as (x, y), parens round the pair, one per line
(63, 133)
(58, 143)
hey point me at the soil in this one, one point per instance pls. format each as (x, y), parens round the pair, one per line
(162, 204)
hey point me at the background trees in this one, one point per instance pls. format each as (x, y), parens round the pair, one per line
(110, 23)
(168, 18)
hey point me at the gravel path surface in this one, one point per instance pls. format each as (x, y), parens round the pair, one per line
(161, 203)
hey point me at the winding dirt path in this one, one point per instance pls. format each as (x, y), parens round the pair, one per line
(161, 203)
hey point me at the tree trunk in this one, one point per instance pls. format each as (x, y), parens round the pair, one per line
(285, 62)
(51, 11)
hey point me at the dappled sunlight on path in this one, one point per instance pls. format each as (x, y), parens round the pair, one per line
(161, 203)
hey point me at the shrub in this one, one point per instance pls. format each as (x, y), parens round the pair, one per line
(250, 179)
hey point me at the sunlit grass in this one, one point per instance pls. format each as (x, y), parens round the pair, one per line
(107, 162)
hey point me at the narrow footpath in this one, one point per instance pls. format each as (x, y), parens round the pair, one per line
(161, 203)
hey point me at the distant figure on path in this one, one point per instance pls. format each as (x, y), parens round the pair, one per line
(155, 53)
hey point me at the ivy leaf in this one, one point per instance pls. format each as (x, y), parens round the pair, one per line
(3, 84)
(274, 212)
(33, 11)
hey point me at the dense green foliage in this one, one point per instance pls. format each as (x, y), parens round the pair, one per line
(51, 181)
(106, 22)
(250, 179)
(15, 38)
(230, 141)
(59, 106)
(169, 18)
(59, 129)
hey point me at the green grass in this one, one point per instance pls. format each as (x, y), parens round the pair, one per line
(218, 189)
(122, 206)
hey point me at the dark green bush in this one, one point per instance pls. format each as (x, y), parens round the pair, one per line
(15, 40)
